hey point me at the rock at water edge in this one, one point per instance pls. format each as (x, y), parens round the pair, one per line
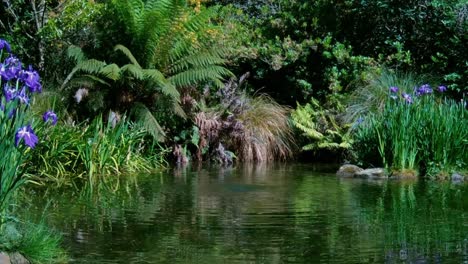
(4, 259)
(348, 171)
(17, 258)
(376, 173)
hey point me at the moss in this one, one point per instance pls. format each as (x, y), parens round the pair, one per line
(442, 175)
(404, 174)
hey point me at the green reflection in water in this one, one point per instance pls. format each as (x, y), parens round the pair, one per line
(260, 214)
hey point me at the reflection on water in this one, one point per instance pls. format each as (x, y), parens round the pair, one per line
(260, 214)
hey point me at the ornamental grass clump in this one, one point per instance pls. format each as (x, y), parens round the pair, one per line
(422, 131)
(17, 129)
(254, 128)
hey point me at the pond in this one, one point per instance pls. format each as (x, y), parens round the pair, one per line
(259, 214)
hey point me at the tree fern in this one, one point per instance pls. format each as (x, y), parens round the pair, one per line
(94, 73)
(167, 35)
(167, 49)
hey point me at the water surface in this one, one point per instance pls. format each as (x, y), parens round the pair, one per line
(259, 214)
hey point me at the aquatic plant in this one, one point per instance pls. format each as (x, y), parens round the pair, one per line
(415, 131)
(18, 134)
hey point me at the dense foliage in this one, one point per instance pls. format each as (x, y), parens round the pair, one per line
(323, 46)
(133, 79)
(164, 69)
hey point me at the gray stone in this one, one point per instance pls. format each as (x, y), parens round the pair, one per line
(4, 259)
(17, 258)
(348, 171)
(456, 177)
(376, 173)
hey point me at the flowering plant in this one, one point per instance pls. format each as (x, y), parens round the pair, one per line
(17, 135)
(420, 91)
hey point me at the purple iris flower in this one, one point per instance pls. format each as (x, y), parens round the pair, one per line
(27, 134)
(3, 72)
(10, 68)
(31, 79)
(9, 92)
(22, 96)
(394, 89)
(407, 98)
(50, 115)
(5, 45)
(424, 89)
(442, 88)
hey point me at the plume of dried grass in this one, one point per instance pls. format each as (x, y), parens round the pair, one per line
(209, 125)
(266, 133)
(253, 128)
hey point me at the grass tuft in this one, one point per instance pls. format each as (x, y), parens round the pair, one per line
(266, 135)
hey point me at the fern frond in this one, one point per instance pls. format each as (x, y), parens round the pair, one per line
(198, 75)
(310, 131)
(156, 37)
(91, 66)
(111, 71)
(178, 110)
(145, 119)
(134, 71)
(131, 11)
(202, 59)
(127, 53)
(196, 23)
(87, 81)
(302, 118)
(328, 145)
(163, 84)
(76, 53)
